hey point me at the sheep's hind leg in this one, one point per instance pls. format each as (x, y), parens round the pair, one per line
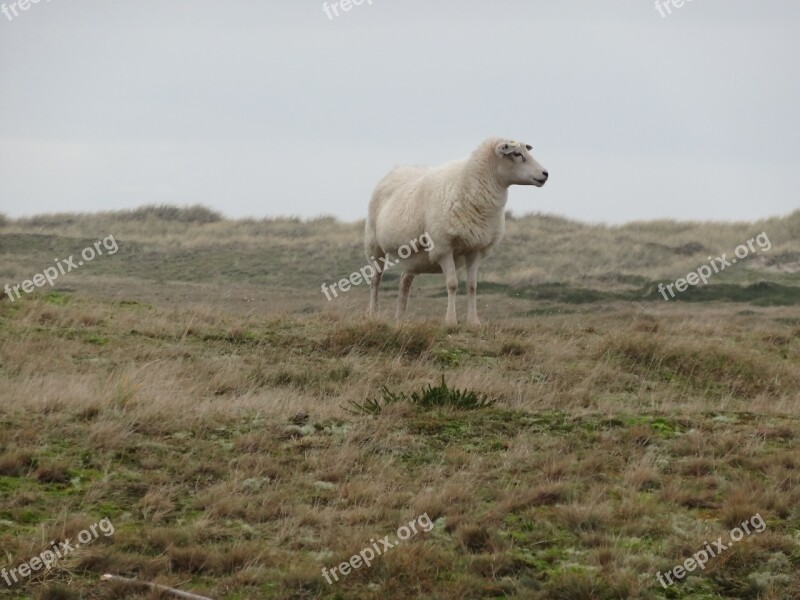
(374, 286)
(451, 279)
(402, 300)
(473, 259)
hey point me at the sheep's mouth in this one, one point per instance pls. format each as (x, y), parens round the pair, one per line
(539, 182)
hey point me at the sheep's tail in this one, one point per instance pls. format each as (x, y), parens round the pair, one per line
(371, 248)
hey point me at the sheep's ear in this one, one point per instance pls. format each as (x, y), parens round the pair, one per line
(506, 148)
(529, 147)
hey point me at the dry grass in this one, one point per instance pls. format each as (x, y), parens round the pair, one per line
(214, 433)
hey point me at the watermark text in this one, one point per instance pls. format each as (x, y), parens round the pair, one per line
(12, 10)
(50, 274)
(360, 276)
(718, 265)
(699, 559)
(55, 552)
(367, 555)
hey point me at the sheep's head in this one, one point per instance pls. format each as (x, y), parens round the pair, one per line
(516, 165)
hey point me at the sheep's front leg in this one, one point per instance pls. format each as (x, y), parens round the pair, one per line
(451, 280)
(473, 259)
(402, 300)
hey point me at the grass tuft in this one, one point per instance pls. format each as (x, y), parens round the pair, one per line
(430, 397)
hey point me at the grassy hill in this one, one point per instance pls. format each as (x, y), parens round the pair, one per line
(542, 257)
(197, 389)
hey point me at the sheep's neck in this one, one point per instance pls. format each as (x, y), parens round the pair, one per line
(479, 204)
(483, 193)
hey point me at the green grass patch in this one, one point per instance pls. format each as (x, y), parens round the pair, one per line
(430, 397)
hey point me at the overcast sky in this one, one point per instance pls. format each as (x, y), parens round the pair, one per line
(261, 108)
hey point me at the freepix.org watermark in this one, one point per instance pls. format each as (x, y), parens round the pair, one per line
(332, 9)
(718, 264)
(46, 559)
(699, 559)
(12, 9)
(50, 274)
(664, 7)
(360, 276)
(367, 555)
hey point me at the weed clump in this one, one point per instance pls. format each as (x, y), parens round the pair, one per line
(428, 398)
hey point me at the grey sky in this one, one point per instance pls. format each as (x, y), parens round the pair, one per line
(261, 108)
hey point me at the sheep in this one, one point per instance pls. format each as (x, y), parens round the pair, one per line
(460, 205)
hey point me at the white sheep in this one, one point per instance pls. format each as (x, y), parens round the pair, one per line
(460, 205)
